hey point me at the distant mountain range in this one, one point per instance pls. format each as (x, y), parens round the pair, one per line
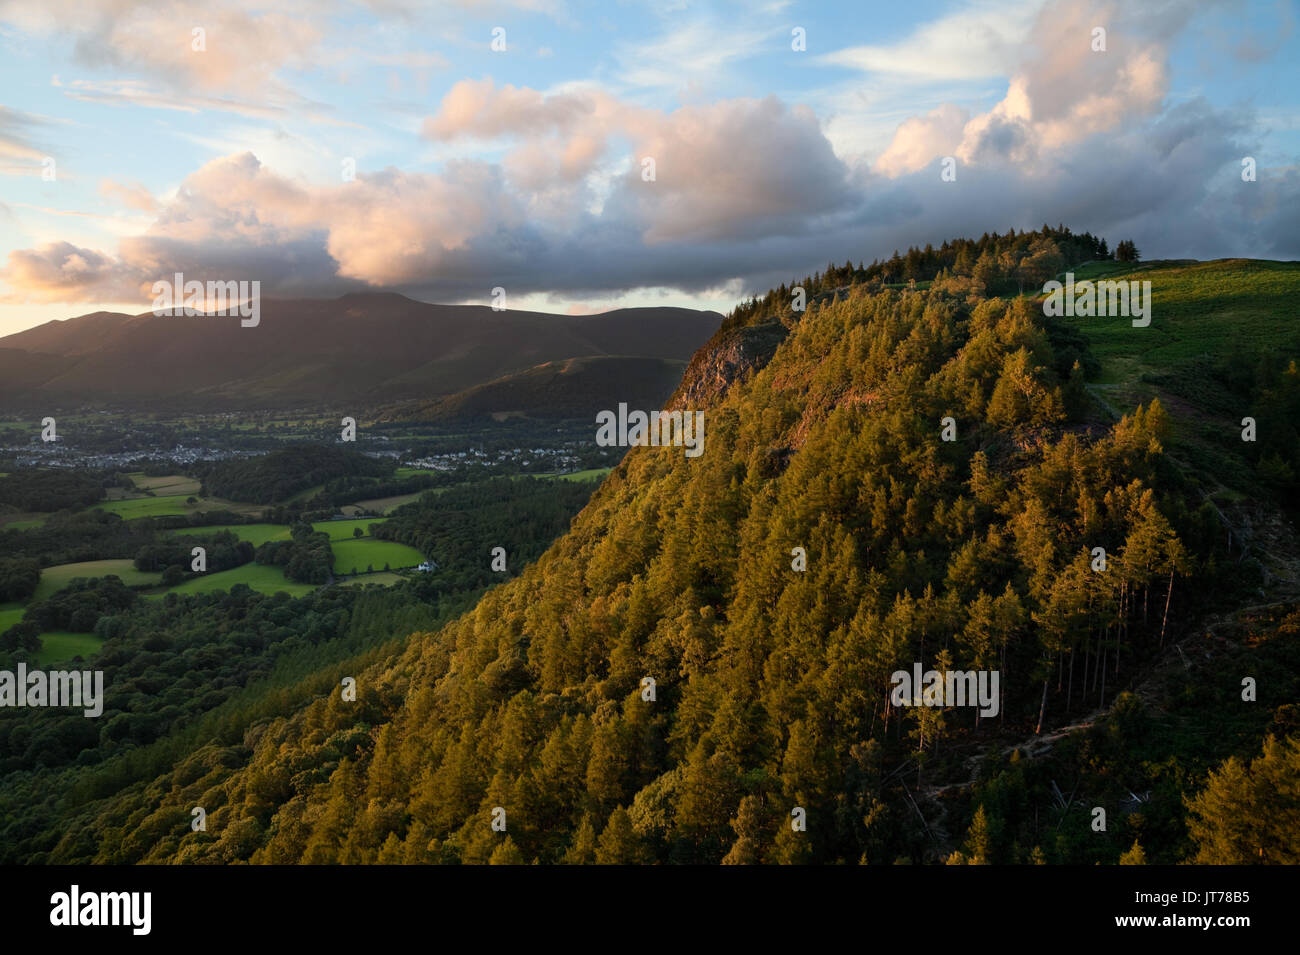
(571, 388)
(370, 349)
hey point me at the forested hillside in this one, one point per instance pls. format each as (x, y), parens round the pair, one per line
(772, 678)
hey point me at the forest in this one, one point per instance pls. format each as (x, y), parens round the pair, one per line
(915, 475)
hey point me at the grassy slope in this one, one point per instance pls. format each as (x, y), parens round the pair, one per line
(56, 578)
(266, 580)
(374, 553)
(1206, 309)
(255, 534)
(343, 530)
(167, 485)
(60, 645)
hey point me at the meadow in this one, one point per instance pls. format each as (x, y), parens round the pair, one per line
(386, 504)
(169, 485)
(345, 530)
(383, 578)
(259, 577)
(54, 579)
(350, 555)
(60, 645)
(255, 534)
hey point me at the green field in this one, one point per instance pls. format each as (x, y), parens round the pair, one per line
(383, 578)
(255, 534)
(170, 485)
(263, 579)
(591, 474)
(358, 554)
(145, 507)
(60, 645)
(172, 505)
(54, 579)
(23, 525)
(343, 530)
(385, 504)
(306, 495)
(10, 614)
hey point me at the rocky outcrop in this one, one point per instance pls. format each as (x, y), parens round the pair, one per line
(733, 355)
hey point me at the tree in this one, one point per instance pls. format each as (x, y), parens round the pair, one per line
(1134, 856)
(357, 532)
(507, 854)
(619, 844)
(1126, 251)
(1250, 814)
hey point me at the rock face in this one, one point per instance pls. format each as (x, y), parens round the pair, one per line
(733, 355)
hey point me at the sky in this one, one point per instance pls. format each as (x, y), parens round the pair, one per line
(586, 156)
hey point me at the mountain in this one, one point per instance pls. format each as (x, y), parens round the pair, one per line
(572, 388)
(894, 478)
(360, 348)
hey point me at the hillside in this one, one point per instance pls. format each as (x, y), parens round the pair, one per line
(772, 682)
(574, 388)
(372, 348)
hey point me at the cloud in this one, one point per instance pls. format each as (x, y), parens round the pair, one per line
(921, 138)
(15, 143)
(541, 191)
(1061, 92)
(133, 196)
(243, 48)
(693, 55)
(62, 272)
(479, 108)
(974, 42)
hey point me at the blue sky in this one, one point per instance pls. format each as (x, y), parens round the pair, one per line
(522, 168)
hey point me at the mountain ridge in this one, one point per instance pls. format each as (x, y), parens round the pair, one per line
(368, 348)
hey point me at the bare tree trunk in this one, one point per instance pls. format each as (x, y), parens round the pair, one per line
(1165, 619)
(1102, 699)
(1069, 695)
(1042, 708)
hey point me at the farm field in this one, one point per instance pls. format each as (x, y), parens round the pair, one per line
(344, 530)
(135, 507)
(368, 552)
(255, 534)
(306, 495)
(168, 485)
(54, 579)
(263, 579)
(385, 504)
(591, 474)
(22, 523)
(60, 645)
(10, 614)
(383, 578)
